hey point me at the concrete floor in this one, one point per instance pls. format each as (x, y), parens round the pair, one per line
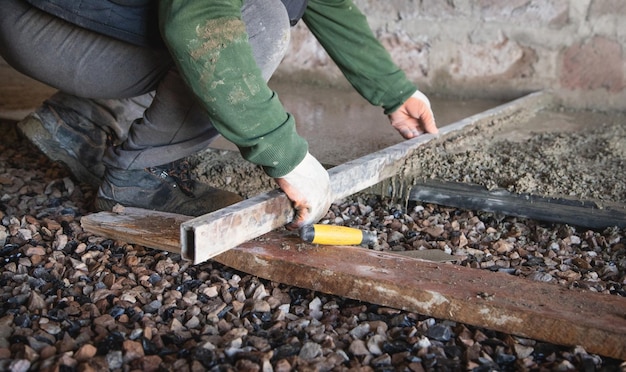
(341, 126)
(18, 94)
(338, 123)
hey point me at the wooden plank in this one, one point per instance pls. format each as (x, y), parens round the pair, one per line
(584, 213)
(482, 298)
(152, 229)
(209, 235)
(496, 301)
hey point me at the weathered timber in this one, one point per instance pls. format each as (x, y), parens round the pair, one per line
(482, 298)
(583, 213)
(152, 229)
(214, 233)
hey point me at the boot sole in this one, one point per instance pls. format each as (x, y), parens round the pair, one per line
(32, 129)
(104, 205)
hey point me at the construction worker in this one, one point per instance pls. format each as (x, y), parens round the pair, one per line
(144, 84)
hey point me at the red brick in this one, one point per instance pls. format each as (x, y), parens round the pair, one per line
(595, 64)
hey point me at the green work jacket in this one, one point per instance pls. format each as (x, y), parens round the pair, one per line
(209, 44)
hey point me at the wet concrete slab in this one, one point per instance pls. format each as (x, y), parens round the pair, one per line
(340, 125)
(337, 122)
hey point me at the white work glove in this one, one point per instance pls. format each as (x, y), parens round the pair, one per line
(308, 187)
(414, 117)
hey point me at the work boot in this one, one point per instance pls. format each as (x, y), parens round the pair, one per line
(64, 136)
(167, 188)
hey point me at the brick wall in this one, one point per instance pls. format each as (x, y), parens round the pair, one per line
(492, 48)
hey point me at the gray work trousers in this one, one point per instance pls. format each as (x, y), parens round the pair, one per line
(138, 91)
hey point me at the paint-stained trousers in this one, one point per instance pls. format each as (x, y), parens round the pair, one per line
(134, 92)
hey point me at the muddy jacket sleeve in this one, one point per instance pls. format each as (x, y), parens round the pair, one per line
(209, 44)
(346, 36)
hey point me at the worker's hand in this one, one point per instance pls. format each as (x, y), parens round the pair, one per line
(414, 117)
(308, 187)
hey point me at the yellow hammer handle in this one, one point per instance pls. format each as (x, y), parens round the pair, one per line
(336, 235)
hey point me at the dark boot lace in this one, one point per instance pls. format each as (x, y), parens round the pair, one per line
(180, 172)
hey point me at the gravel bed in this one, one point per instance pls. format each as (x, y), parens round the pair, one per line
(74, 301)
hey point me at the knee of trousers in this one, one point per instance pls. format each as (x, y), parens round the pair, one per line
(267, 24)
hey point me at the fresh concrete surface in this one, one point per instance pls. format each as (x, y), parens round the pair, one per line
(338, 123)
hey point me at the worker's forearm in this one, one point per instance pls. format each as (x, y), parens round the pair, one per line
(344, 33)
(210, 46)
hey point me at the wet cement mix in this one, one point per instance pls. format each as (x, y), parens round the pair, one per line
(580, 154)
(75, 301)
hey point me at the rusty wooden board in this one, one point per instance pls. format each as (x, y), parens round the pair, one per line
(492, 300)
(209, 235)
(482, 298)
